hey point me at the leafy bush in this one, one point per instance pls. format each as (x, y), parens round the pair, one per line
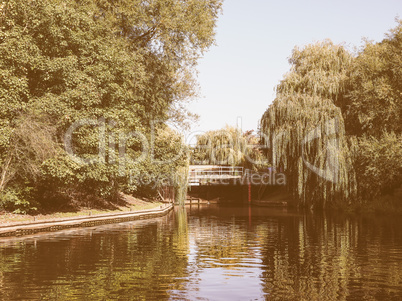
(378, 165)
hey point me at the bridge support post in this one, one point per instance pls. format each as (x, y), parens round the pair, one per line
(249, 192)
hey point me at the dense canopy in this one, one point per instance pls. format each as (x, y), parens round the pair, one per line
(123, 66)
(335, 125)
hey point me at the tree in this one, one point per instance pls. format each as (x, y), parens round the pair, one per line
(126, 64)
(358, 100)
(372, 110)
(378, 165)
(373, 102)
(229, 146)
(304, 129)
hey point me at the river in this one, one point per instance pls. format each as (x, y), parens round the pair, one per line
(211, 252)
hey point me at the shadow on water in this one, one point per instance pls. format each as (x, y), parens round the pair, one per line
(213, 253)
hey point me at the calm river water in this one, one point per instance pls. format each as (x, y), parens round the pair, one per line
(211, 253)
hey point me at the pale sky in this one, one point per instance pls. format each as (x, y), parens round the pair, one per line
(254, 40)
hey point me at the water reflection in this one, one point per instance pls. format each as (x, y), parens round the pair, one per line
(211, 253)
(138, 261)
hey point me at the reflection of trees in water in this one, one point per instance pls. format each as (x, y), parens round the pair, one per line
(138, 263)
(297, 257)
(223, 244)
(317, 258)
(181, 238)
(305, 257)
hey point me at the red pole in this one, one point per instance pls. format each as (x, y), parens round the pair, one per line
(249, 191)
(249, 215)
(249, 201)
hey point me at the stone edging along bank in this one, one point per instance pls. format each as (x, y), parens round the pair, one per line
(80, 222)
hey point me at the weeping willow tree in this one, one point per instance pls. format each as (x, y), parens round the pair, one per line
(229, 146)
(181, 184)
(304, 129)
(220, 147)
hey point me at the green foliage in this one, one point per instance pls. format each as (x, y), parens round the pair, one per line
(303, 126)
(164, 165)
(317, 69)
(373, 102)
(287, 126)
(361, 97)
(125, 64)
(378, 165)
(373, 115)
(17, 200)
(180, 184)
(228, 146)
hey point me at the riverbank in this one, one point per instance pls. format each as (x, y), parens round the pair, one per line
(79, 221)
(125, 203)
(125, 209)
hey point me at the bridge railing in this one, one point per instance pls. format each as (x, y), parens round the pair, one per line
(200, 173)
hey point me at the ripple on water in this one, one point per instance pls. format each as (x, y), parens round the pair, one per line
(210, 254)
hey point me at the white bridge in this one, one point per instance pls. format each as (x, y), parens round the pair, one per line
(203, 174)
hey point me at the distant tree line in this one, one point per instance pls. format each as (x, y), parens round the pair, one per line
(118, 69)
(229, 146)
(335, 125)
